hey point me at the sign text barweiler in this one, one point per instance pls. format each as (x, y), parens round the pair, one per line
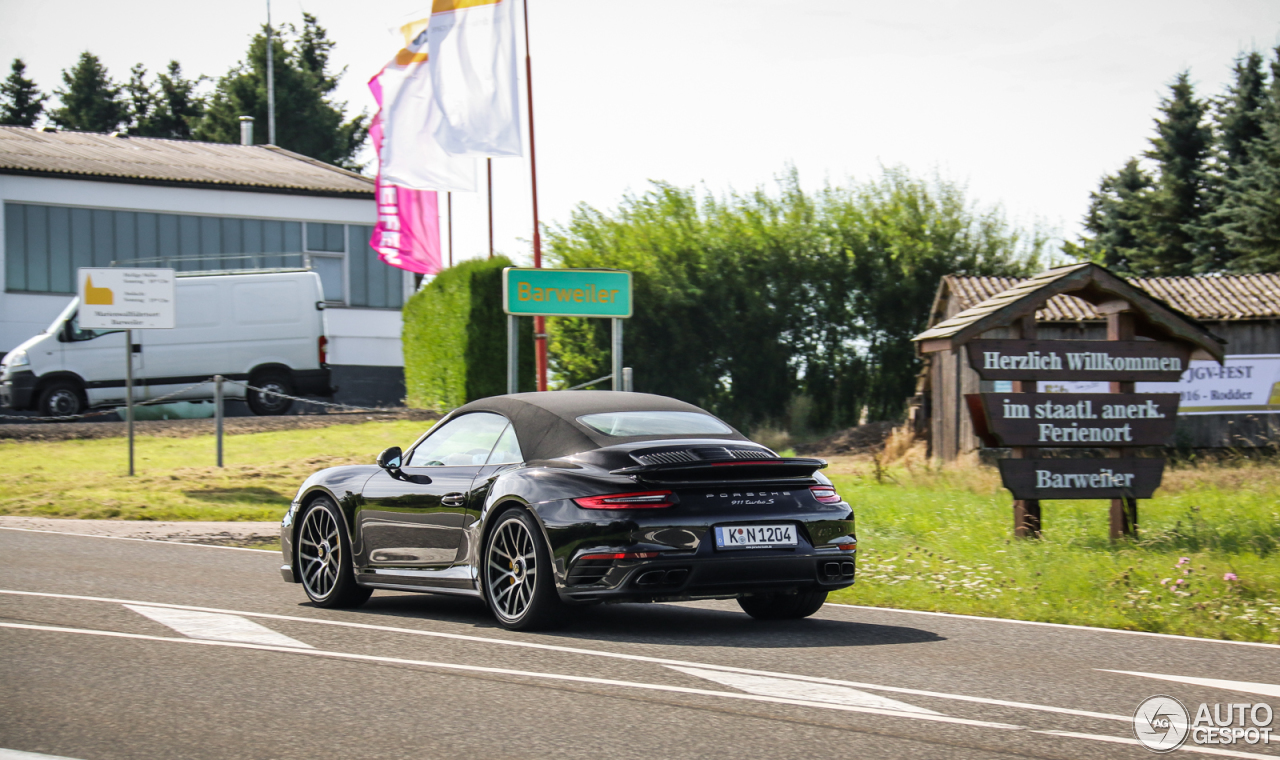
(1120, 360)
(1081, 478)
(566, 292)
(1074, 419)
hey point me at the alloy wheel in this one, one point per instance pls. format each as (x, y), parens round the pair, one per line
(319, 552)
(512, 569)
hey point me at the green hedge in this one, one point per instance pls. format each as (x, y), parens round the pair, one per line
(455, 338)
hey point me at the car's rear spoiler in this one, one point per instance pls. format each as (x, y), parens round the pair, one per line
(752, 469)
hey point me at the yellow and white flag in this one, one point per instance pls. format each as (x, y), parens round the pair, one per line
(410, 155)
(472, 56)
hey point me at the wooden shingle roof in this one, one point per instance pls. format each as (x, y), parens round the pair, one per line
(148, 160)
(1088, 286)
(1207, 298)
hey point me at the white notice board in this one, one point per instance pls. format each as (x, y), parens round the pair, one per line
(126, 299)
(1244, 384)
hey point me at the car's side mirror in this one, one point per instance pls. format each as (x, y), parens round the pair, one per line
(390, 459)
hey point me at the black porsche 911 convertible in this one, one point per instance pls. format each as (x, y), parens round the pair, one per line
(537, 502)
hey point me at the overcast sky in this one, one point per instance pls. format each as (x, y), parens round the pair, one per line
(1025, 103)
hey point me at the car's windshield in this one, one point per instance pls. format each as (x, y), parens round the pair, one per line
(66, 314)
(623, 424)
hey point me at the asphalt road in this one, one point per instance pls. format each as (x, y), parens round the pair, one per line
(138, 649)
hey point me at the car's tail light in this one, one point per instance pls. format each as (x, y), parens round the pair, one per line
(825, 494)
(321, 346)
(620, 555)
(636, 500)
(846, 544)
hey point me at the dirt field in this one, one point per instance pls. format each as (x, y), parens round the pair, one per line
(69, 431)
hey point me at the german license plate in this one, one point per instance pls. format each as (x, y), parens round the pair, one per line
(755, 536)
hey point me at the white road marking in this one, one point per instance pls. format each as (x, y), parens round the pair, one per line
(633, 685)
(806, 690)
(1249, 687)
(1056, 625)
(1184, 748)
(144, 540)
(15, 754)
(594, 653)
(525, 674)
(216, 626)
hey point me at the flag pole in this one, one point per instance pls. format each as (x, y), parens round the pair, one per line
(489, 170)
(271, 84)
(539, 323)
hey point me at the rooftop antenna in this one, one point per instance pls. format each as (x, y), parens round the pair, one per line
(271, 83)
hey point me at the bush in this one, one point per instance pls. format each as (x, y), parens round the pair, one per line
(455, 338)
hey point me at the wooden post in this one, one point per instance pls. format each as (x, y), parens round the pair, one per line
(1026, 512)
(1124, 511)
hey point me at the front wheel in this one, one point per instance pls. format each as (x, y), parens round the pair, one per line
(324, 558)
(61, 398)
(263, 404)
(518, 582)
(782, 605)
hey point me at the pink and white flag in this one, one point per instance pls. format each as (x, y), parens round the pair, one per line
(407, 234)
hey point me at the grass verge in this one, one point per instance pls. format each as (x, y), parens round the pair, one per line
(1205, 563)
(176, 479)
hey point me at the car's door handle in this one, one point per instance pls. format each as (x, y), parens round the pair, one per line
(455, 499)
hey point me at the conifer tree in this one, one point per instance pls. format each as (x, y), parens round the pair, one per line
(308, 120)
(21, 102)
(1250, 213)
(1240, 115)
(1117, 218)
(90, 102)
(169, 107)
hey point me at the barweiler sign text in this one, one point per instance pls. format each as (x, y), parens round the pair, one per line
(566, 292)
(1121, 360)
(1076, 419)
(1081, 478)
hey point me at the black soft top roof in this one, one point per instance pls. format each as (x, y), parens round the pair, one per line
(547, 423)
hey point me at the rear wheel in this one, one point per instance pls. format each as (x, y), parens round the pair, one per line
(324, 558)
(782, 605)
(61, 398)
(518, 582)
(264, 404)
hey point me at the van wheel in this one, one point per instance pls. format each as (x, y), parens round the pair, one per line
(61, 398)
(265, 403)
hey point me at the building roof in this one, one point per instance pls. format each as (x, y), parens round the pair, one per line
(183, 163)
(1206, 298)
(1092, 286)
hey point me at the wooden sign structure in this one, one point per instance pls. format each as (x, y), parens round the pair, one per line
(1119, 422)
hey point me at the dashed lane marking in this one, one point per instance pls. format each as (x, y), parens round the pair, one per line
(1249, 687)
(16, 754)
(628, 684)
(595, 653)
(216, 626)
(449, 666)
(793, 689)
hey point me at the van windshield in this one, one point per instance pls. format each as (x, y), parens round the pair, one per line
(66, 314)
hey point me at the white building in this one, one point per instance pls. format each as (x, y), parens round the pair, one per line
(76, 199)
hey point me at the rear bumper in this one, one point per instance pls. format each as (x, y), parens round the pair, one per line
(673, 577)
(18, 390)
(313, 382)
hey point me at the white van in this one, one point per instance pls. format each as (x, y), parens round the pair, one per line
(266, 329)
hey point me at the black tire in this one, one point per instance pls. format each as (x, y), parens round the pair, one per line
(323, 553)
(265, 404)
(518, 577)
(782, 605)
(61, 398)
